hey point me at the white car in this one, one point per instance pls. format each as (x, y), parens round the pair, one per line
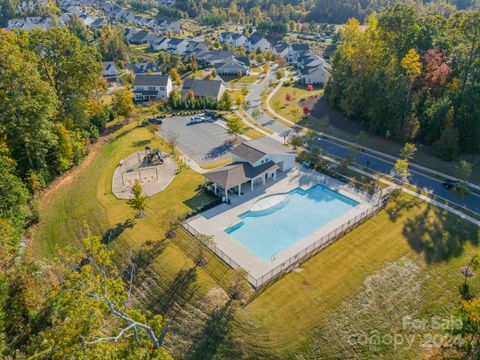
(197, 119)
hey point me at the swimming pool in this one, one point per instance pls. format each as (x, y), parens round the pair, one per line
(266, 233)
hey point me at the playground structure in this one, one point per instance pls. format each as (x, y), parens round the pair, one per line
(150, 167)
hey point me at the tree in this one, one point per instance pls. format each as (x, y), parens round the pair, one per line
(296, 141)
(96, 314)
(226, 101)
(247, 105)
(305, 110)
(400, 170)
(279, 74)
(266, 68)
(238, 284)
(122, 103)
(288, 97)
(137, 203)
(408, 151)
(28, 107)
(235, 126)
(463, 172)
(310, 88)
(175, 76)
(72, 68)
(112, 44)
(200, 245)
(172, 140)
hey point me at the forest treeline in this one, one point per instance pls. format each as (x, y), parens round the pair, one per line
(412, 77)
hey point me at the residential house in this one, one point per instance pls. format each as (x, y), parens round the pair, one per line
(255, 42)
(210, 89)
(110, 71)
(142, 68)
(140, 38)
(255, 163)
(233, 38)
(98, 23)
(177, 45)
(233, 66)
(159, 44)
(148, 87)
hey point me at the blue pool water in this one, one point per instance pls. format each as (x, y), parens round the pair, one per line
(267, 234)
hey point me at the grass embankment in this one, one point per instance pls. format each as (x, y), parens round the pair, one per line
(285, 108)
(401, 260)
(247, 79)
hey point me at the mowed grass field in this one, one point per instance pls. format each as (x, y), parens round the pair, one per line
(397, 263)
(283, 107)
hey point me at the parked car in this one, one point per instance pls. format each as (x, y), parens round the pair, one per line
(451, 184)
(153, 120)
(197, 119)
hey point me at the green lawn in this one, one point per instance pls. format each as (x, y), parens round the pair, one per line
(306, 312)
(247, 79)
(283, 107)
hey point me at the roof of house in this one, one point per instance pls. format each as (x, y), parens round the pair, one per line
(141, 35)
(109, 65)
(255, 39)
(151, 80)
(142, 67)
(281, 47)
(254, 150)
(300, 47)
(206, 88)
(175, 41)
(237, 173)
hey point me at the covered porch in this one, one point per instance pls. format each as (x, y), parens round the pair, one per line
(233, 181)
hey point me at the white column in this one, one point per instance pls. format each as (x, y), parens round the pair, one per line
(226, 195)
(263, 178)
(215, 188)
(239, 189)
(251, 183)
(275, 175)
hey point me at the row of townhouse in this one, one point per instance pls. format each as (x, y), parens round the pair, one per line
(253, 43)
(224, 62)
(312, 69)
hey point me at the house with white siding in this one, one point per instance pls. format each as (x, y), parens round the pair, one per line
(149, 87)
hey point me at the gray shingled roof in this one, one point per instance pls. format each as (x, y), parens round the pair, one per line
(206, 88)
(237, 173)
(254, 150)
(151, 80)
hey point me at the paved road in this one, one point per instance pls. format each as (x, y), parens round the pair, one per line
(255, 96)
(470, 202)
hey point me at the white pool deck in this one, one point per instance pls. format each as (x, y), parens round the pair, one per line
(215, 221)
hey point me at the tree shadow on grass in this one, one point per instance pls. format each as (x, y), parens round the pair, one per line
(439, 235)
(113, 233)
(395, 208)
(149, 251)
(214, 333)
(180, 291)
(140, 143)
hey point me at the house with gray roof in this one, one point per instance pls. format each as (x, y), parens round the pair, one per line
(254, 162)
(150, 87)
(140, 38)
(255, 42)
(110, 71)
(210, 89)
(142, 67)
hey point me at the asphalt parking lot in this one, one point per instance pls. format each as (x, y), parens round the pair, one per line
(204, 143)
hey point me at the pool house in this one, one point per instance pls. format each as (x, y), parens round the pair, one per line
(255, 164)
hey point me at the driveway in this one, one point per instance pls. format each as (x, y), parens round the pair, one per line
(204, 143)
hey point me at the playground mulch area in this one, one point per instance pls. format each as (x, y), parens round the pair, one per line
(154, 175)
